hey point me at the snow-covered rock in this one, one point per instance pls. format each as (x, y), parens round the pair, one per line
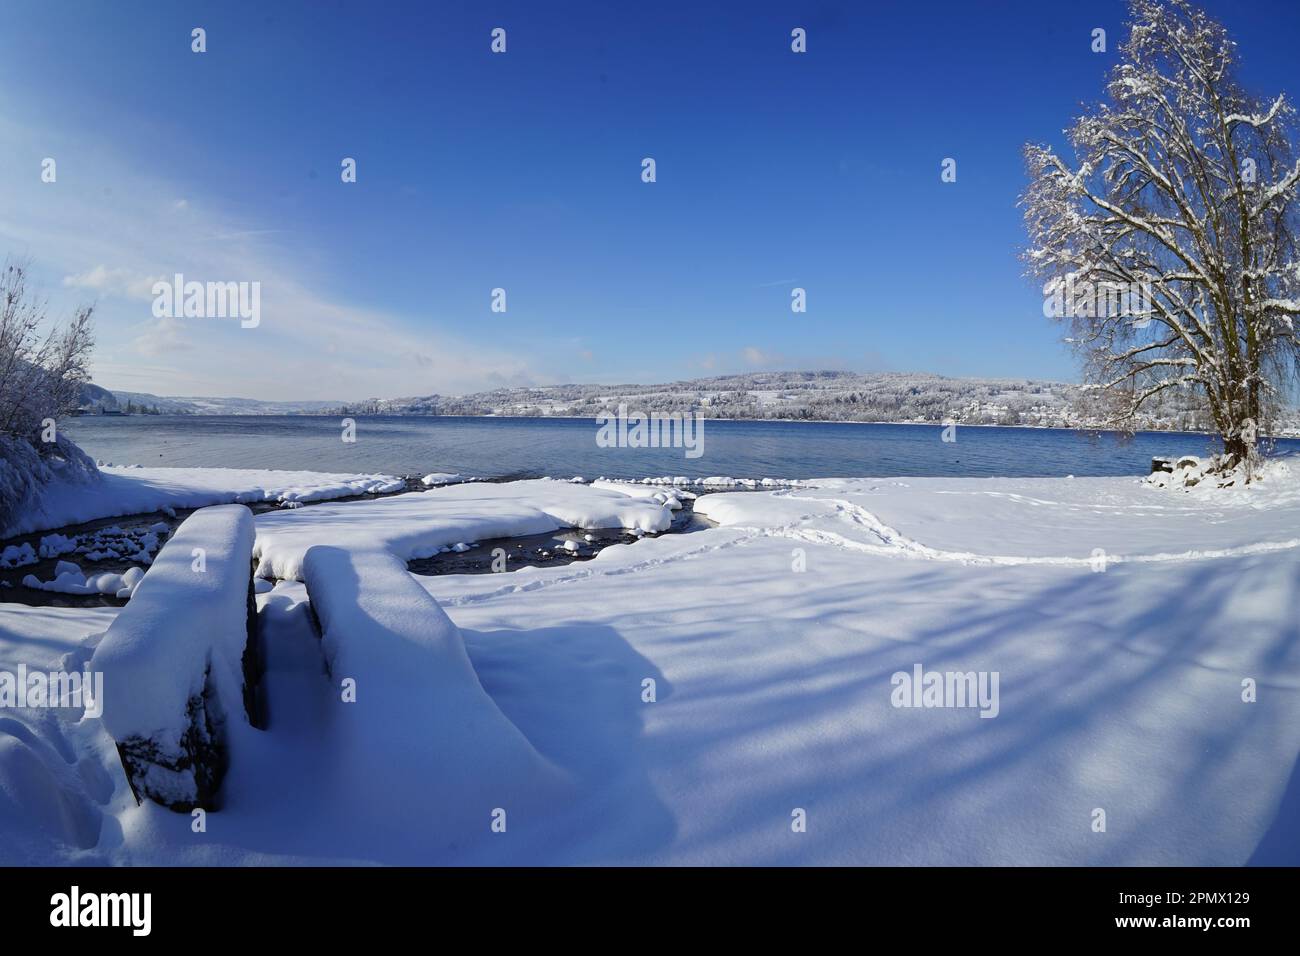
(53, 545)
(70, 579)
(17, 555)
(66, 567)
(1191, 471)
(439, 478)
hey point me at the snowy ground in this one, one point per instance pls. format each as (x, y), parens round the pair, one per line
(1121, 620)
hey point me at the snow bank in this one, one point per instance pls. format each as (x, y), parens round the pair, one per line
(419, 524)
(176, 661)
(418, 729)
(127, 491)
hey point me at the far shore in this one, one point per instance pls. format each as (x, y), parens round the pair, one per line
(1082, 430)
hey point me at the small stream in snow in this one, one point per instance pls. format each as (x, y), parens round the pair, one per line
(553, 549)
(112, 546)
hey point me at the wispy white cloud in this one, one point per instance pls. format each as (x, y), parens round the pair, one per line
(164, 337)
(106, 281)
(313, 341)
(241, 234)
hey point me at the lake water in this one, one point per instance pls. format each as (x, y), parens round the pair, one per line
(511, 447)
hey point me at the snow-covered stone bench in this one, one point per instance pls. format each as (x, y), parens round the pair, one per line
(181, 660)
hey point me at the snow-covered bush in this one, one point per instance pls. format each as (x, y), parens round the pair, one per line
(28, 471)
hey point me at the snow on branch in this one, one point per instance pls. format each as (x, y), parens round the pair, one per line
(1168, 188)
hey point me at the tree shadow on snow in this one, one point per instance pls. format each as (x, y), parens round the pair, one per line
(1280, 846)
(1102, 705)
(576, 692)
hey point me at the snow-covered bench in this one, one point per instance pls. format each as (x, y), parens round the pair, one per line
(413, 720)
(181, 660)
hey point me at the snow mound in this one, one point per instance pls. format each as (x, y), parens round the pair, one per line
(174, 661)
(440, 478)
(50, 788)
(39, 788)
(669, 497)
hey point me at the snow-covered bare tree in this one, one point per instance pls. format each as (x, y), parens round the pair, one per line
(1170, 238)
(41, 374)
(41, 370)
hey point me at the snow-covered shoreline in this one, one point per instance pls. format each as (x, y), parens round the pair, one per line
(689, 693)
(132, 490)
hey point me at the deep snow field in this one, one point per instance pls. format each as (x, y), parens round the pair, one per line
(1120, 619)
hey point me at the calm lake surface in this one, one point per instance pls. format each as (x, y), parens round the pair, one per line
(513, 447)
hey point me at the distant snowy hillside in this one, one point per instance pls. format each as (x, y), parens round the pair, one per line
(806, 396)
(252, 406)
(95, 399)
(811, 396)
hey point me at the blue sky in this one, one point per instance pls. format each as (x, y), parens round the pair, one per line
(522, 171)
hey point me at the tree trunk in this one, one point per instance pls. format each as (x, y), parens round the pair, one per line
(1235, 448)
